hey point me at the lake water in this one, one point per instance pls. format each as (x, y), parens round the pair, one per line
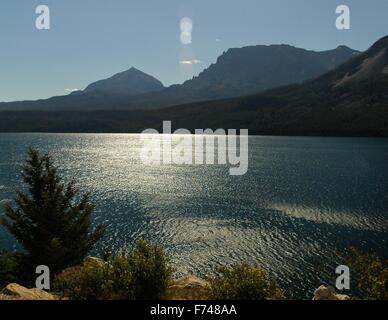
(302, 200)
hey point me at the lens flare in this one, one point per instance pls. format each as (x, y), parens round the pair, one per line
(186, 25)
(186, 37)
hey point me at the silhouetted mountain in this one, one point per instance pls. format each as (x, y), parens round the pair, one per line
(350, 100)
(257, 68)
(104, 94)
(238, 72)
(130, 82)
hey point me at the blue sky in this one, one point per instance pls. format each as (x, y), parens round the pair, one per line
(93, 39)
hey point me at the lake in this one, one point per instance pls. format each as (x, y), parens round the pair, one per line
(302, 200)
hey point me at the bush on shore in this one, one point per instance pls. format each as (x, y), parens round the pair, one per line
(243, 282)
(143, 274)
(371, 274)
(9, 268)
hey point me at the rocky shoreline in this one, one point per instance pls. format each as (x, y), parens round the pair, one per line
(186, 288)
(189, 287)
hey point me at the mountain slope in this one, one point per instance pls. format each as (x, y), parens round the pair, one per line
(350, 100)
(238, 72)
(257, 68)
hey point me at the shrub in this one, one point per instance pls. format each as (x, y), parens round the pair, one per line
(9, 268)
(243, 282)
(86, 282)
(143, 274)
(151, 271)
(371, 274)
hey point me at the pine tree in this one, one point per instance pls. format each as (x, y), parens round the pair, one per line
(52, 221)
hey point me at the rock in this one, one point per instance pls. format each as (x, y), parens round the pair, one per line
(93, 261)
(187, 288)
(88, 262)
(15, 291)
(328, 293)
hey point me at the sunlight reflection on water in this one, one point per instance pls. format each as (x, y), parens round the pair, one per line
(301, 200)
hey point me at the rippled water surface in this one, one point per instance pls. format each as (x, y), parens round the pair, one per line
(302, 200)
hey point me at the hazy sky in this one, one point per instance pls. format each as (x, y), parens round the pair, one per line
(93, 39)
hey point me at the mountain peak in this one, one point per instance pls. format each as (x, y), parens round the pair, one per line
(134, 70)
(129, 82)
(342, 47)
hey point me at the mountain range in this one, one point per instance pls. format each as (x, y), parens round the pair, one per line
(249, 70)
(237, 72)
(349, 98)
